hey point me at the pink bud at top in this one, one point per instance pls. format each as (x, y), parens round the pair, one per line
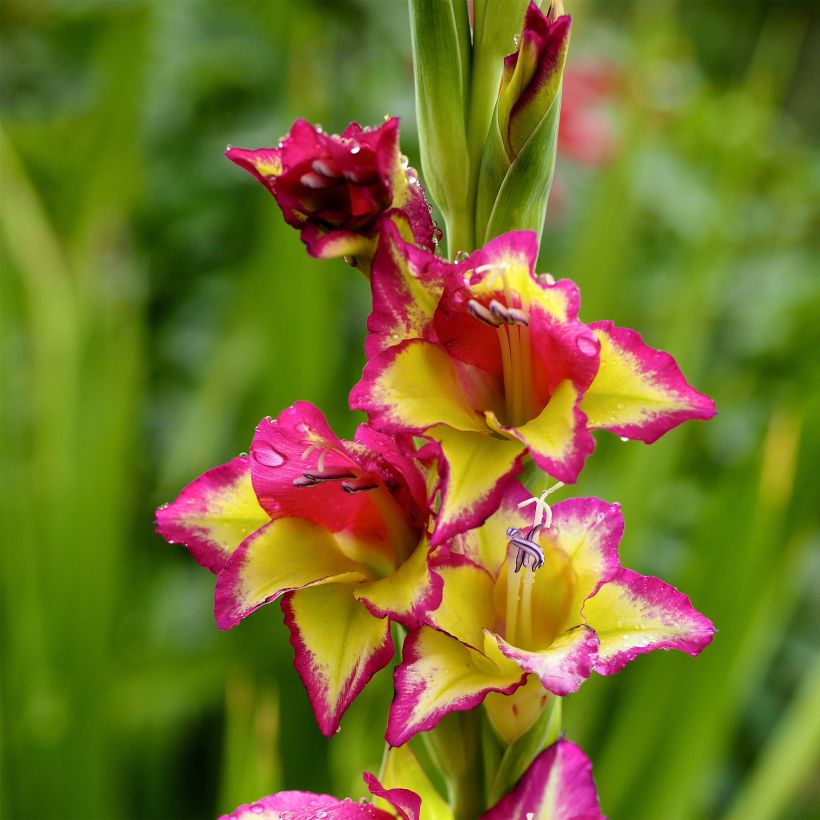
(532, 76)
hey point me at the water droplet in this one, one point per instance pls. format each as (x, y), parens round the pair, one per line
(624, 439)
(516, 39)
(257, 808)
(338, 729)
(599, 517)
(321, 813)
(587, 346)
(265, 454)
(355, 149)
(404, 161)
(302, 427)
(461, 255)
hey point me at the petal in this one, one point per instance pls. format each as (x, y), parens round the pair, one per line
(214, 514)
(324, 244)
(411, 387)
(406, 595)
(295, 805)
(557, 786)
(284, 555)
(300, 441)
(265, 163)
(589, 531)
(561, 667)
(406, 283)
(639, 392)
(403, 769)
(634, 614)
(467, 607)
(558, 438)
(339, 646)
(406, 803)
(477, 469)
(437, 675)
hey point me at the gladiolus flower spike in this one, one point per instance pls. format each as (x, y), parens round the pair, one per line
(492, 362)
(336, 529)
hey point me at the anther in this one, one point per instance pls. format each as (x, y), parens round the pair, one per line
(527, 547)
(311, 479)
(482, 314)
(511, 316)
(359, 485)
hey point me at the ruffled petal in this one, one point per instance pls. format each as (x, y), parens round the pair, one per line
(564, 665)
(411, 387)
(338, 647)
(403, 771)
(634, 614)
(406, 803)
(214, 514)
(476, 471)
(589, 531)
(639, 392)
(438, 675)
(293, 805)
(557, 786)
(406, 595)
(558, 438)
(466, 608)
(406, 283)
(285, 554)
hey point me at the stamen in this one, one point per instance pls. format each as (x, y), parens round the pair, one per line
(543, 511)
(359, 485)
(508, 315)
(482, 314)
(311, 479)
(527, 547)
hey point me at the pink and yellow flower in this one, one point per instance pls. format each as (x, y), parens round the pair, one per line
(550, 603)
(336, 190)
(336, 529)
(492, 362)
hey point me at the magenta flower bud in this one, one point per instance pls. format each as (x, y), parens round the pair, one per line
(532, 75)
(337, 189)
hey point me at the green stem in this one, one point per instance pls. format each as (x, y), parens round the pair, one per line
(455, 746)
(460, 235)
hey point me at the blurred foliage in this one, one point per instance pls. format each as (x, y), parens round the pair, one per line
(155, 307)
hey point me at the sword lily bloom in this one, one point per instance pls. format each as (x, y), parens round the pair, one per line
(336, 189)
(492, 362)
(336, 529)
(550, 601)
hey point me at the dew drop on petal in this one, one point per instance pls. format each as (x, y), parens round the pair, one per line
(355, 149)
(586, 346)
(257, 808)
(265, 454)
(599, 517)
(517, 41)
(461, 255)
(624, 438)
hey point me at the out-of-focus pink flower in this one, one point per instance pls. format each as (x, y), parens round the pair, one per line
(336, 189)
(587, 132)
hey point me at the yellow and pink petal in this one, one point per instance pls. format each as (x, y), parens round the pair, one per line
(338, 647)
(214, 514)
(406, 803)
(564, 665)
(408, 594)
(558, 439)
(284, 555)
(558, 785)
(639, 392)
(633, 614)
(438, 675)
(476, 470)
(411, 387)
(406, 284)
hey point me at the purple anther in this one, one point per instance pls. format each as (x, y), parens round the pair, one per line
(510, 316)
(527, 547)
(359, 485)
(311, 479)
(482, 314)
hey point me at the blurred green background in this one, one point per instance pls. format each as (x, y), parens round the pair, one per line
(155, 307)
